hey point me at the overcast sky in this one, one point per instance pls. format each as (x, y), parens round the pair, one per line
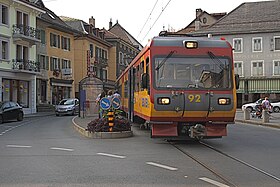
(143, 19)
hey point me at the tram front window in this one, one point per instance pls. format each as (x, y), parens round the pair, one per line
(192, 73)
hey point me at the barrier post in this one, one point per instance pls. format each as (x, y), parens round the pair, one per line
(246, 114)
(265, 116)
(111, 115)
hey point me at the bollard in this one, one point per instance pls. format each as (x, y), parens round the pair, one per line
(110, 115)
(246, 114)
(265, 116)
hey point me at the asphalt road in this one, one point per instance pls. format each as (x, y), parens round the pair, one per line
(47, 151)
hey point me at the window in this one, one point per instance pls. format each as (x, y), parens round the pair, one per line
(91, 50)
(22, 18)
(55, 64)
(257, 68)
(43, 37)
(121, 58)
(237, 45)
(238, 68)
(22, 53)
(257, 44)
(65, 43)
(277, 43)
(4, 15)
(44, 62)
(276, 67)
(66, 64)
(54, 40)
(4, 47)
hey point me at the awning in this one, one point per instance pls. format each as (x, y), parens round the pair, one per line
(259, 86)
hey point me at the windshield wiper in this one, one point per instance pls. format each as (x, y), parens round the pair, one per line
(216, 60)
(164, 60)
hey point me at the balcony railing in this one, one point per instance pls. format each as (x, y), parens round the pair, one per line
(99, 61)
(26, 33)
(28, 65)
(67, 72)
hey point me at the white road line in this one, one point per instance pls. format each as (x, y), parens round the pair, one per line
(162, 166)
(213, 182)
(61, 149)
(111, 155)
(19, 146)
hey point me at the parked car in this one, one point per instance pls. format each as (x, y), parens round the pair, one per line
(10, 110)
(252, 106)
(67, 107)
(276, 107)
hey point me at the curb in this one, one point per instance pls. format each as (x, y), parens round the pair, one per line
(258, 123)
(101, 135)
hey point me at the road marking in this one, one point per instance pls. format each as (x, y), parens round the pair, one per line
(162, 166)
(111, 155)
(19, 146)
(213, 182)
(61, 149)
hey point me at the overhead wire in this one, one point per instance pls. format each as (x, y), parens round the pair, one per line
(156, 20)
(147, 19)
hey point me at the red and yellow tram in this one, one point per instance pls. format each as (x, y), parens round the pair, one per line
(181, 86)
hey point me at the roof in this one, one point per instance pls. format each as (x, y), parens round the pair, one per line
(191, 27)
(249, 17)
(120, 32)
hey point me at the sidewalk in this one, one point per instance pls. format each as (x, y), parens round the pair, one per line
(274, 119)
(39, 114)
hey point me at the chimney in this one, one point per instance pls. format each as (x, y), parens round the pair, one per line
(92, 22)
(110, 23)
(198, 11)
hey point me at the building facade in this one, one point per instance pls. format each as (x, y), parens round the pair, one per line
(253, 30)
(18, 62)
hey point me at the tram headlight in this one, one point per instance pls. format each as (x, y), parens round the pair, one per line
(224, 101)
(191, 44)
(163, 101)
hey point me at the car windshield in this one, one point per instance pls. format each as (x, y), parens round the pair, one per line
(195, 73)
(1, 103)
(66, 102)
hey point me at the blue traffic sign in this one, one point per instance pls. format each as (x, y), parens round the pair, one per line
(105, 103)
(116, 103)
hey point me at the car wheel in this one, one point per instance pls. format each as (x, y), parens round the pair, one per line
(250, 109)
(276, 109)
(20, 117)
(1, 119)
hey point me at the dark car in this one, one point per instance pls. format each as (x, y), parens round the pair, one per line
(10, 110)
(67, 107)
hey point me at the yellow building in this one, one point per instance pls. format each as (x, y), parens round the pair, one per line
(92, 53)
(56, 58)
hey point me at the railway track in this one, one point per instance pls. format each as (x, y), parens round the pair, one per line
(215, 171)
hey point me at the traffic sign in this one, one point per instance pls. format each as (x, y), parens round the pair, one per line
(105, 103)
(116, 103)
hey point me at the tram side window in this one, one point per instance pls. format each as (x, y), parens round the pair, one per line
(148, 75)
(137, 79)
(141, 71)
(126, 89)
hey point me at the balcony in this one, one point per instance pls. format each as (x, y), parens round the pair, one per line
(26, 33)
(28, 65)
(67, 73)
(101, 62)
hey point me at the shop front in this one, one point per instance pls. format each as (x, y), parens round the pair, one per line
(61, 89)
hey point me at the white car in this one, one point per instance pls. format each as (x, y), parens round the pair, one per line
(276, 107)
(251, 106)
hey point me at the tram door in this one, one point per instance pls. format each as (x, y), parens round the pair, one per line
(131, 81)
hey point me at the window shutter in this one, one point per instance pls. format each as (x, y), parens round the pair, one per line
(51, 63)
(58, 63)
(69, 46)
(58, 41)
(69, 62)
(47, 62)
(51, 39)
